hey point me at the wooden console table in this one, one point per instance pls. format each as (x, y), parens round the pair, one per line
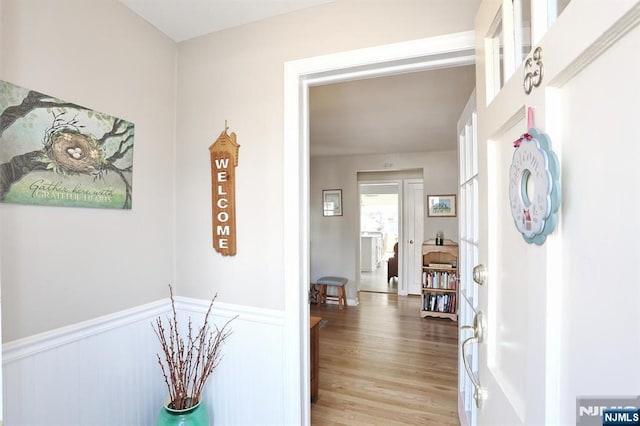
(315, 356)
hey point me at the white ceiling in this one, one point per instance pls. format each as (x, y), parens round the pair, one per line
(403, 113)
(414, 112)
(185, 19)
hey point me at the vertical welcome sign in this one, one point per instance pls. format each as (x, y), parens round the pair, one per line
(224, 160)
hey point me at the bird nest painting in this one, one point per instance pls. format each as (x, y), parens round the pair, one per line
(57, 153)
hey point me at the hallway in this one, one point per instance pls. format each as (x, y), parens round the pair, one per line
(376, 281)
(380, 364)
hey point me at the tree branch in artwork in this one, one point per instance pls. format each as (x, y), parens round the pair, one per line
(32, 101)
(13, 170)
(127, 184)
(116, 130)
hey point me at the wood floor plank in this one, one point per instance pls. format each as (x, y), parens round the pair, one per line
(381, 364)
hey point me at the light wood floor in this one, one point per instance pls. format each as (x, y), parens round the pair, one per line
(381, 364)
(376, 281)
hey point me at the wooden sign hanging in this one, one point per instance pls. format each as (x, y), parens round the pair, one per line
(224, 160)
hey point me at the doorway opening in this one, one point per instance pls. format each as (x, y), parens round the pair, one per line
(430, 53)
(379, 231)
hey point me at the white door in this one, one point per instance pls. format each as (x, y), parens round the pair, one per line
(413, 220)
(553, 312)
(469, 248)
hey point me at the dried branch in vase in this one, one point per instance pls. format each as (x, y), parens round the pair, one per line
(186, 364)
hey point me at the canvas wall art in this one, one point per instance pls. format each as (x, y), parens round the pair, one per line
(57, 153)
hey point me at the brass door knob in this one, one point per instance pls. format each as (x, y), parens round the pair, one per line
(480, 274)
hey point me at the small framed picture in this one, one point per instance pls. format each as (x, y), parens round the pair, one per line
(441, 205)
(332, 202)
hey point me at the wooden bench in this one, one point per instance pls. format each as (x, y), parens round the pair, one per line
(338, 283)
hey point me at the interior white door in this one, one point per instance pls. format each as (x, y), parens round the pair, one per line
(413, 220)
(538, 300)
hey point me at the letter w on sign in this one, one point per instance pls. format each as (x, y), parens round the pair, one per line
(224, 159)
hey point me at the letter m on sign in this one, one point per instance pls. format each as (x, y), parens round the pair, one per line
(224, 159)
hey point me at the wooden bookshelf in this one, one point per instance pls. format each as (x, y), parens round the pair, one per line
(440, 280)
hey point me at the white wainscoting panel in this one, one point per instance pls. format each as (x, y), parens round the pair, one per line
(105, 371)
(247, 388)
(97, 372)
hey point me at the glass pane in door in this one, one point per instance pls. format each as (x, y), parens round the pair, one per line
(522, 22)
(469, 244)
(495, 58)
(555, 9)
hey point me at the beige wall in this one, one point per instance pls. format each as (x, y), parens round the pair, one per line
(237, 75)
(59, 265)
(63, 265)
(1, 37)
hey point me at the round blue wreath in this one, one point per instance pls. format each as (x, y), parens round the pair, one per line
(543, 144)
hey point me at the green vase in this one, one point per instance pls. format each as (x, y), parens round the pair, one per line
(194, 416)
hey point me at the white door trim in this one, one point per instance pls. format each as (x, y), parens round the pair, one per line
(398, 183)
(416, 55)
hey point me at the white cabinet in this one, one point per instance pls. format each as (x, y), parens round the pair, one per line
(370, 251)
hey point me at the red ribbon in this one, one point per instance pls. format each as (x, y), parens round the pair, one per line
(518, 141)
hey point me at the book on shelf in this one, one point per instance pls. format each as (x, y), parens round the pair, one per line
(441, 265)
(445, 303)
(440, 279)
